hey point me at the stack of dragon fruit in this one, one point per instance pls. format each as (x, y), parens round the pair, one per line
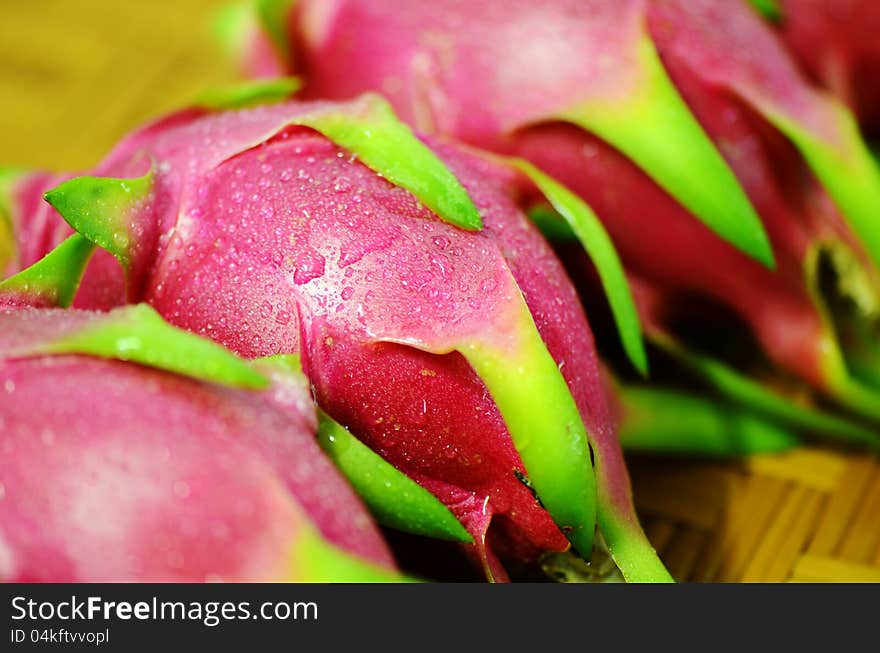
(350, 297)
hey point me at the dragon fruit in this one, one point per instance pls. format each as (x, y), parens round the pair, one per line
(216, 474)
(677, 133)
(431, 318)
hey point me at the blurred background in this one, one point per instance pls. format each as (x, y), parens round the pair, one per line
(77, 75)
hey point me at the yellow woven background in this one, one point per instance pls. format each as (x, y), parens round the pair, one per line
(77, 75)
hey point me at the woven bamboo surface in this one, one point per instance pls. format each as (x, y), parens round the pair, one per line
(809, 515)
(76, 75)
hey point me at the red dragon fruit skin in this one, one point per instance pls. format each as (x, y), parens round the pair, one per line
(116, 471)
(836, 43)
(502, 75)
(433, 343)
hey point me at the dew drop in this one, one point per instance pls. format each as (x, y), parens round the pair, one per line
(342, 185)
(120, 239)
(308, 268)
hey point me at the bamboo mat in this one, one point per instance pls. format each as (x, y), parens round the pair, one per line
(810, 515)
(77, 75)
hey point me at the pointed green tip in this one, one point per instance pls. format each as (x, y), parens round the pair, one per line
(102, 209)
(769, 9)
(138, 334)
(763, 253)
(368, 128)
(248, 94)
(654, 127)
(394, 499)
(595, 240)
(54, 280)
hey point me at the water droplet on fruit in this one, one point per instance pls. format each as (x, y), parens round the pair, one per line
(308, 267)
(120, 239)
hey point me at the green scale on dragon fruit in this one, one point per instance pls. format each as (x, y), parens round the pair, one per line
(717, 167)
(432, 319)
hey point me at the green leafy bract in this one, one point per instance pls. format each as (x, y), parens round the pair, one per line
(394, 499)
(598, 245)
(53, 280)
(654, 127)
(369, 129)
(138, 334)
(247, 94)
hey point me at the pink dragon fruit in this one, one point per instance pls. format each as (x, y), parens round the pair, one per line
(134, 451)
(431, 317)
(669, 127)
